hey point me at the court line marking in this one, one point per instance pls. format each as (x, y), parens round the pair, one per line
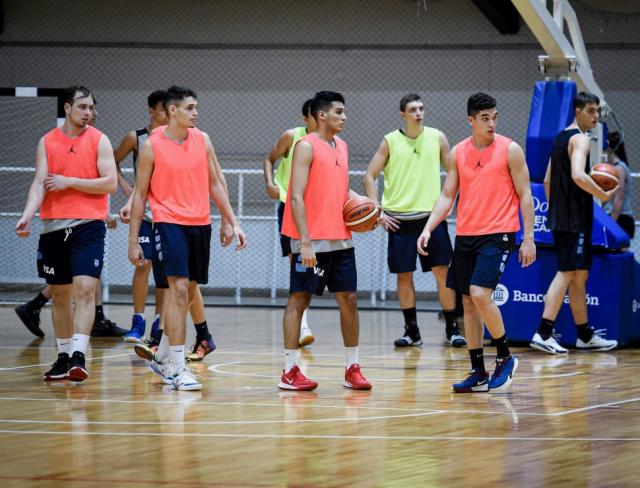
(215, 368)
(218, 422)
(192, 402)
(592, 407)
(302, 436)
(49, 364)
(339, 407)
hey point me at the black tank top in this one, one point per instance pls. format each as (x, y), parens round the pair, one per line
(570, 207)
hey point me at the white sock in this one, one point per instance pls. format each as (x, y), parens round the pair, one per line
(177, 356)
(157, 317)
(64, 345)
(352, 355)
(141, 315)
(80, 343)
(290, 359)
(305, 324)
(163, 348)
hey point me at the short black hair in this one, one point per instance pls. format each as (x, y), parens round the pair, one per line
(69, 94)
(583, 98)
(479, 102)
(176, 94)
(407, 99)
(616, 144)
(156, 97)
(306, 108)
(322, 100)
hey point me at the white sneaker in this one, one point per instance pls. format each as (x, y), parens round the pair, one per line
(306, 336)
(185, 380)
(549, 345)
(597, 343)
(162, 369)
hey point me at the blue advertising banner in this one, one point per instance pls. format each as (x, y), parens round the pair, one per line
(613, 297)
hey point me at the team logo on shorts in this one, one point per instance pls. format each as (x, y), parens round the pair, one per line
(500, 295)
(144, 240)
(299, 267)
(48, 270)
(96, 263)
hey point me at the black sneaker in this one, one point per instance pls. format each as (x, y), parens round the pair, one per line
(30, 318)
(59, 370)
(77, 371)
(105, 328)
(411, 337)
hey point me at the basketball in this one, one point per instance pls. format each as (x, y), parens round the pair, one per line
(605, 175)
(360, 214)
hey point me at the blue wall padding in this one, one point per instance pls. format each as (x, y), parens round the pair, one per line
(551, 111)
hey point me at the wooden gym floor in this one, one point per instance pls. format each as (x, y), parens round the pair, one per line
(566, 421)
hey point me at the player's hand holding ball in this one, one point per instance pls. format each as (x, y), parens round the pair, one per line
(360, 214)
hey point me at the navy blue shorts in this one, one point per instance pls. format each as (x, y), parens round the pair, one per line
(74, 251)
(144, 239)
(182, 250)
(335, 270)
(573, 250)
(285, 241)
(402, 250)
(479, 261)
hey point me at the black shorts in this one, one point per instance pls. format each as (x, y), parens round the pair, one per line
(74, 251)
(402, 250)
(479, 261)
(285, 241)
(573, 250)
(335, 270)
(144, 239)
(182, 250)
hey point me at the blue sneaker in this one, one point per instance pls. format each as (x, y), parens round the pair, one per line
(474, 382)
(501, 377)
(138, 325)
(155, 327)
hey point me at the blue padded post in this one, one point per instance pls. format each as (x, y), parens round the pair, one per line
(551, 111)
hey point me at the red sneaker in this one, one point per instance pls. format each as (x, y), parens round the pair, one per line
(353, 379)
(295, 380)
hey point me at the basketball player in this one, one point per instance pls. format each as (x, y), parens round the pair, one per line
(176, 170)
(411, 158)
(570, 191)
(132, 143)
(75, 171)
(321, 245)
(277, 189)
(29, 312)
(490, 172)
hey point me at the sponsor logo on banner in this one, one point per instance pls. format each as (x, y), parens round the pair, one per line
(634, 306)
(540, 219)
(500, 295)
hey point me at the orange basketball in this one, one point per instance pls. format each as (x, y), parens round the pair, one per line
(605, 176)
(360, 214)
